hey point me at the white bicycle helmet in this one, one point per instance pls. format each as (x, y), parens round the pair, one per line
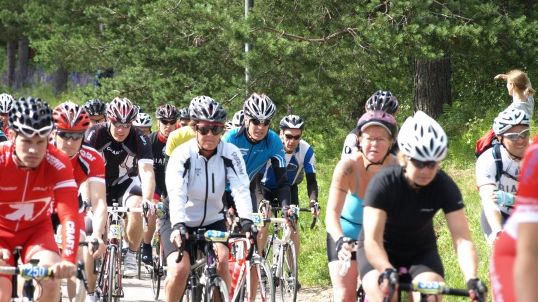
(238, 118)
(205, 108)
(142, 120)
(508, 118)
(6, 102)
(291, 122)
(259, 107)
(422, 138)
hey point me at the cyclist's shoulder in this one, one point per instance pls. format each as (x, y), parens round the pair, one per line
(181, 135)
(234, 134)
(57, 161)
(90, 155)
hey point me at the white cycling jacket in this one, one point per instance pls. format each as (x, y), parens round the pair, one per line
(195, 184)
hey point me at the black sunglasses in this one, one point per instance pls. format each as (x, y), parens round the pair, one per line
(121, 125)
(168, 122)
(257, 122)
(215, 129)
(71, 135)
(295, 137)
(423, 164)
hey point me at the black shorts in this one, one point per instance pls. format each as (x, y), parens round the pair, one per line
(425, 260)
(165, 230)
(119, 192)
(272, 195)
(331, 250)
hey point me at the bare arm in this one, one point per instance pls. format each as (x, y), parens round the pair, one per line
(461, 238)
(97, 196)
(526, 263)
(340, 185)
(492, 212)
(147, 177)
(373, 224)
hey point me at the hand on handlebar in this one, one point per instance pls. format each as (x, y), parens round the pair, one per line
(477, 290)
(388, 282)
(344, 248)
(314, 208)
(97, 247)
(64, 269)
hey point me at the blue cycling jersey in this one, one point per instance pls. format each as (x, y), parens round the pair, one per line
(257, 154)
(302, 159)
(351, 217)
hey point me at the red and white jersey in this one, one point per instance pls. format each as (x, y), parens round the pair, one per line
(26, 195)
(88, 164)
(526, 211)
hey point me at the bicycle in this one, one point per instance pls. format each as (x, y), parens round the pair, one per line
(109, 283)
(158, 268)
(203, 283)
(30, 272)
(241, 268)
(280, 249)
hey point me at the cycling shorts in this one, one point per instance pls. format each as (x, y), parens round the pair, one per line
(165, 230)
(272, 194)
(425, 260)
(331, 250)
(120, 192)
(34, 239)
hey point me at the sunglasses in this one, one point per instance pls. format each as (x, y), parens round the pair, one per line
(423, 164)
(215, 129)
(295, 137)
(168, 122)
(70, 135)
(122, 125)
(257, 122)
(514, 136)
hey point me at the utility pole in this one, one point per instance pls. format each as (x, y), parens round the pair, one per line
(248, 5)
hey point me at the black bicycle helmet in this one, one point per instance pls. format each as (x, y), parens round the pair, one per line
(382, 100)
(166, 112)
(95, 107)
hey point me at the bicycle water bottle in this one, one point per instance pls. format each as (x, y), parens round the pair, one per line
(159, 209)
(217, 236)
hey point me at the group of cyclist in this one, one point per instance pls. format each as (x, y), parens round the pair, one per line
(385, 190)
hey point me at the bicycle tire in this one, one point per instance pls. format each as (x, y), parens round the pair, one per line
(266, 289)
(287, 287)
(111, 273)
(156, 275)
(216, 287)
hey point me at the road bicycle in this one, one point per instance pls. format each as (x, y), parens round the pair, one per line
(31, 272)
(158, 263)
(280, 250)
(203, 283)
(109, 283)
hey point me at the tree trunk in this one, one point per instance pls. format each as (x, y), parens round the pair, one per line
(22, 68)
(60, 80)
(11, 48)
(432, 85)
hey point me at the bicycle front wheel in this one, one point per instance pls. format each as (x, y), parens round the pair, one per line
(216, 290)
(265, 291)
(111, 274)
(157, 272)
(287, 285)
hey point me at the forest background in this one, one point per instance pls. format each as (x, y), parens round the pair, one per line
(319, 59)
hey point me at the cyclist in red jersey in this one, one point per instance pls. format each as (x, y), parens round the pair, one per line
(514, 253)
(32, 174)
(71, 121)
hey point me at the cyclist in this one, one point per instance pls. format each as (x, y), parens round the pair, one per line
(184, 117)
(196, 177)
(376, 134)
(6, 102)
(143, 122)
(259, 144)
(514, 253)
(32, 174)
(123, 147)
(379, 101)
(300, 162)
(97, 111)
(497, 186)
(71, 121)
(167, 116)
(185, 132)
(399, 205)
(519, 87)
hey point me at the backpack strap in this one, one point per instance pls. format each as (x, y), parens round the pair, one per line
(498, 160)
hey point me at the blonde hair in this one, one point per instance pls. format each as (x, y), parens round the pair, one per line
(520, 80)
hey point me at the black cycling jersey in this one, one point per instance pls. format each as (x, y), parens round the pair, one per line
(410, 212)
(160, 159)
(120, 158)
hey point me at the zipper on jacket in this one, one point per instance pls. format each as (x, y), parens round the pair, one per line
(206, 194)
